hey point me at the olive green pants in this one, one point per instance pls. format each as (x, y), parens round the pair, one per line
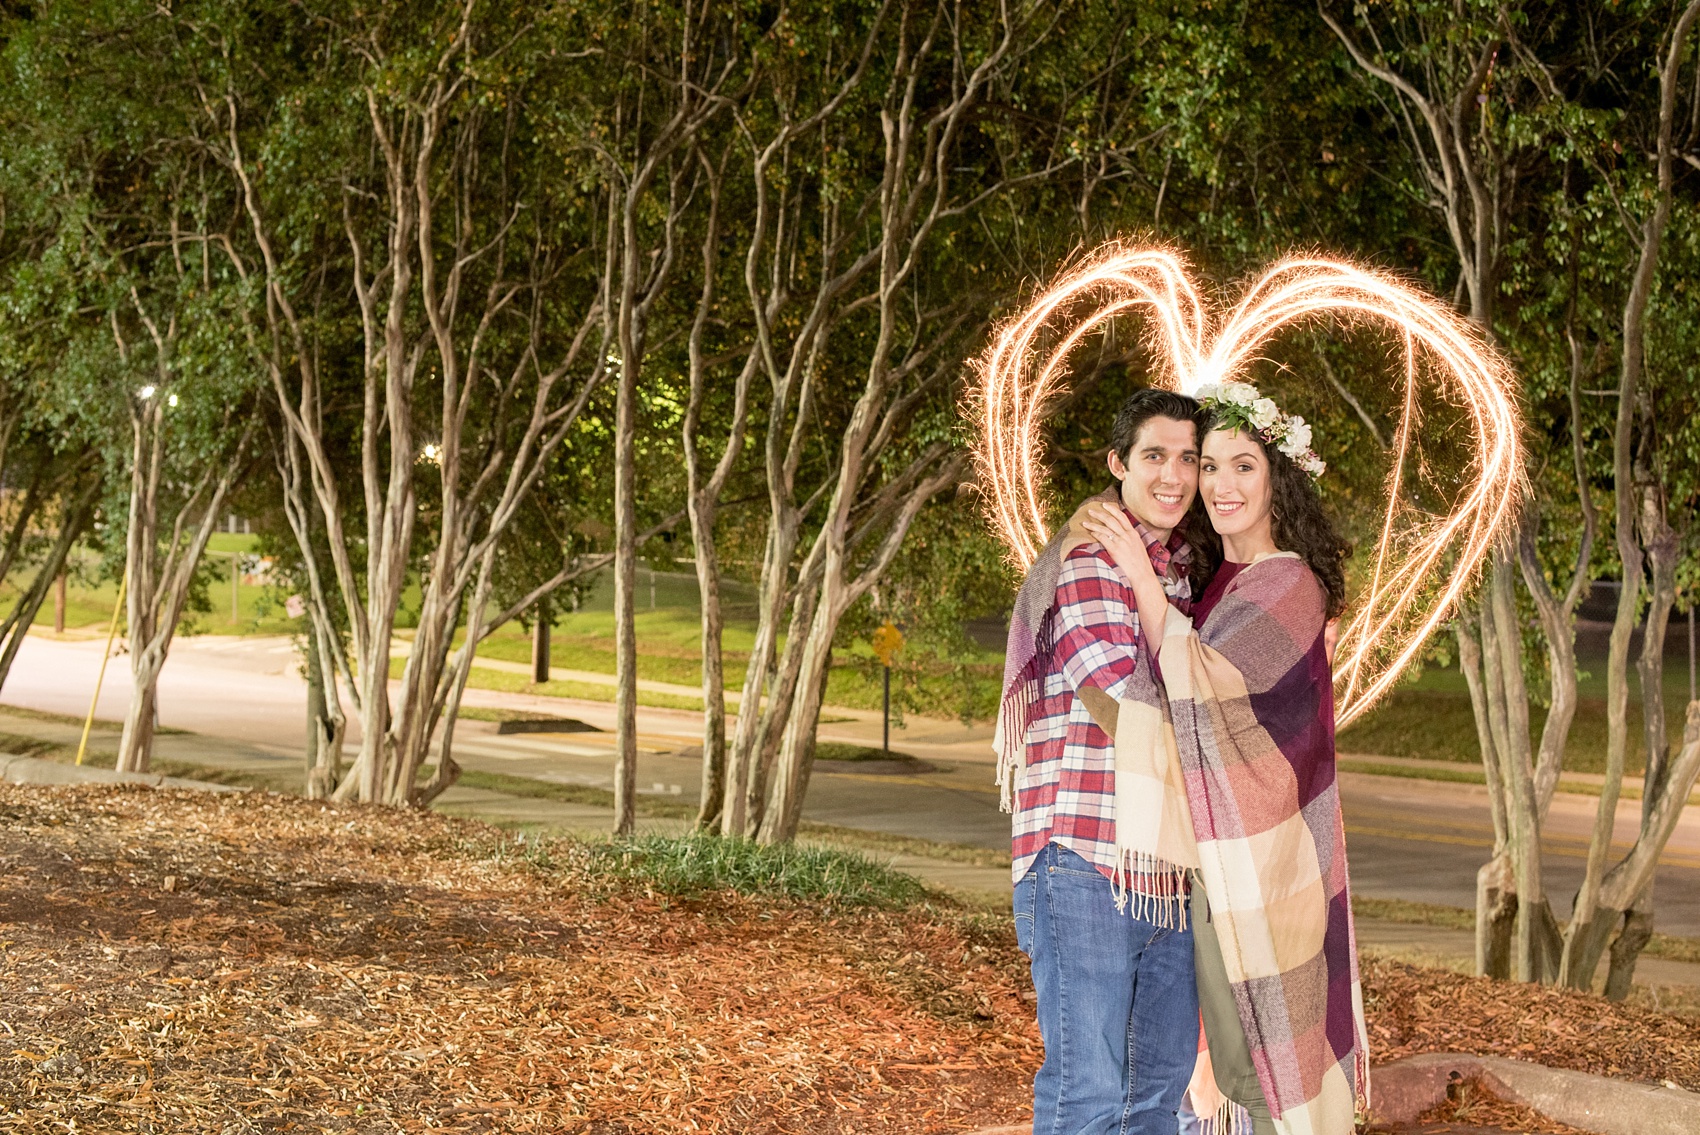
(1230, 1056)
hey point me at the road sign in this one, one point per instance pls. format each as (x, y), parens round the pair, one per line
(887, 641)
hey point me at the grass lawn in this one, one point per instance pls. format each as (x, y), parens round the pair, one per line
(482, 678)
(258, 609)
(670, 645)
(1431, 718)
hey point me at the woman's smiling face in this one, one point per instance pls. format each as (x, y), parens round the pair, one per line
(1233, 480)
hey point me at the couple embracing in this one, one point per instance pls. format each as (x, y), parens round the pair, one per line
(1166, 744)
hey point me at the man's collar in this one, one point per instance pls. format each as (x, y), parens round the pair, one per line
(1175, 550)
(1175, 542)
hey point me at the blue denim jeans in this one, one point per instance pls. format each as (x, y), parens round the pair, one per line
(1118, 1004)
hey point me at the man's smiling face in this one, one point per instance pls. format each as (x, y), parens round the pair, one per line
(1160, 477)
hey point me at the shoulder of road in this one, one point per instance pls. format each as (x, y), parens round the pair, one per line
(843, 722)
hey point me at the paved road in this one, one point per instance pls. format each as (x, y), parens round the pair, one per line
(1412, 839)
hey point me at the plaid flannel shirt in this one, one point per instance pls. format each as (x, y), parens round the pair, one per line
(1067, 791)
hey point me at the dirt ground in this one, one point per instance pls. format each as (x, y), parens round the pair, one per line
(186, 962)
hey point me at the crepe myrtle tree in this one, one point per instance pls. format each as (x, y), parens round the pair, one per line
(1657, 138)
(863, 163)
(100, 163)
(1492, 100)
(45, 440)
(1449, 82)
(190, 438)
(390, 183)
(44, 453)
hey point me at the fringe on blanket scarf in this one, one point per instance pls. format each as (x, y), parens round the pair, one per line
(1157, 888)
(1230, 1119)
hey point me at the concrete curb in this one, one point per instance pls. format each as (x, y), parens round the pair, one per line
(34, 770)
(1406, 1088)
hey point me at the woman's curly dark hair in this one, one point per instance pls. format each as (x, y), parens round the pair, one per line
(1299, 522)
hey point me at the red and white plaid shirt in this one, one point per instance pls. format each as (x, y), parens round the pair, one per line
(1067, 791)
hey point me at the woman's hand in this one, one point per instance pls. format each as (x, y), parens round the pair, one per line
(1108, 525)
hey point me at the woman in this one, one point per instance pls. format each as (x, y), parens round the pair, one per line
(1251, 698)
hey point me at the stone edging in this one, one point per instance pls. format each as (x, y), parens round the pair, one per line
(1406, 1088)
(34, 770)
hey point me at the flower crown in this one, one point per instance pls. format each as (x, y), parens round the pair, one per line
(1240, 405)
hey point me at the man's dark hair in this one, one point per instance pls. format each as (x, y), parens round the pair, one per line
(1143, 405)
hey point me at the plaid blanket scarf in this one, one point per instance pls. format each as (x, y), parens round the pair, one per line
(1154, 842)
(1252, 704)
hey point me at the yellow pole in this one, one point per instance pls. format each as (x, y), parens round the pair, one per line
(112, 633)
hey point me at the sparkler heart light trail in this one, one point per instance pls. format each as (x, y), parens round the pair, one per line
(1421, 565)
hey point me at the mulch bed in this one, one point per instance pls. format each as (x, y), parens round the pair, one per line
(1413, 1010)
(185, 962)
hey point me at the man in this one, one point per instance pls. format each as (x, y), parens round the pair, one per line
(1100, 911)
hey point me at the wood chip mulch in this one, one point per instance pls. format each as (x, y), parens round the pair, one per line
(1413, 1010)
(185, 962)
(1471, 1105)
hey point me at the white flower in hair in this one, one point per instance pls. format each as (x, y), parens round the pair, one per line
(1240, 405)
(1240, 393)
(1295, 437)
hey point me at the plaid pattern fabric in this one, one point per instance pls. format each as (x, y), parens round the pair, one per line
(1066, 791)
(1252, 704)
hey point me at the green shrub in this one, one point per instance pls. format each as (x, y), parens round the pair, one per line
(698, 864)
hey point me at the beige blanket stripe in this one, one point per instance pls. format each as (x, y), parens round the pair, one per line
(1193, 672)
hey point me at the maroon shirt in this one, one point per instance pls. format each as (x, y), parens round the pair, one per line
(1213, 593)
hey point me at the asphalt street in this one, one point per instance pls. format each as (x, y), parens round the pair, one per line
(1407, 838)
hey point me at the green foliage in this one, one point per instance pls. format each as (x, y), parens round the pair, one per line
(697, 865)
(840, 751)
(1234, 130)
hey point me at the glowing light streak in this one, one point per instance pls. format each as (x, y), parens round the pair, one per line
(1416, 563)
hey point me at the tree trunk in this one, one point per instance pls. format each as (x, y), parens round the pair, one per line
(1496, 916)
(1532, 947)
(713, 684)
(796, 760)
(327, 725)
(625, 616)
(744, 791)
(540, 656)
(1664, 549)
(774, 723)
(1637, 931)
(75, 516)
(135, 745)
(315, 714)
